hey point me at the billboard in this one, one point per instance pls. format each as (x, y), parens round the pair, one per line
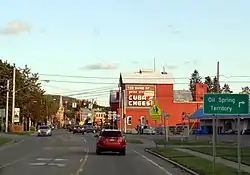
(140, 95)
(114, 96)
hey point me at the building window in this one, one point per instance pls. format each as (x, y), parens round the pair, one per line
(129, 120)
(143, 120)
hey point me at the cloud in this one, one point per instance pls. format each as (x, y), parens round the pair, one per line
(16, 28)
(101, 66)
(171, 67)
(174, 30)
(193, 62)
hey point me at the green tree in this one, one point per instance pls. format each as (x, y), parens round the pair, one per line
(208, 81)
(245, 90)
(195, 78)
(215, 86)
(29, 94)
(226, 89)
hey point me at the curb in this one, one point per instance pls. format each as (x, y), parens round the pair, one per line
(172, 162)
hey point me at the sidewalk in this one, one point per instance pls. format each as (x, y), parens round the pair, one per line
(220, 160)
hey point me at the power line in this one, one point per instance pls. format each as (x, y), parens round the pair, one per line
(91, 82)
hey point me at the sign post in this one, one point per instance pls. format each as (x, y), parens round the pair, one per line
(226, 104)
(165, 127)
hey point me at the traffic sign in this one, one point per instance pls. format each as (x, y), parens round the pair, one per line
(230, 104)
(155, 112)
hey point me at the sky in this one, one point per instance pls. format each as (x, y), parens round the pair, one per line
(96, 40)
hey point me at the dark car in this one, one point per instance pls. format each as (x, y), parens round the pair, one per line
(70, 128)
(90, 129)
(78, 129)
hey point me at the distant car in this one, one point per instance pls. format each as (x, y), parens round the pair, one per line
(78, 129)
(111, 140)
(44, 131)
(89, 129)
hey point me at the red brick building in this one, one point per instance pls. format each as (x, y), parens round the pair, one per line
(138, 91)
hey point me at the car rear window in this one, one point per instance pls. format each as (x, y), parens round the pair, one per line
(111, 134)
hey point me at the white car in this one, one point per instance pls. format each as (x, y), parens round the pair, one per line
(44, 131)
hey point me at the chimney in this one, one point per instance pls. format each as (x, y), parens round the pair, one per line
(163, 72)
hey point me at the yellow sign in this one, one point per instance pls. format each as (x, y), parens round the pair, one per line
(81, 123)
(155, 112)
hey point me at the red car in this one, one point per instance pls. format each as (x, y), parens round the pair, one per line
(111, 140)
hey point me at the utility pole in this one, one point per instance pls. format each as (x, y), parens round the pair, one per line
(218, 91)
(7, 107)
(13, 94)
(92, 111)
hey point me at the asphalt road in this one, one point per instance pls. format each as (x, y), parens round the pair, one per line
(67, 154)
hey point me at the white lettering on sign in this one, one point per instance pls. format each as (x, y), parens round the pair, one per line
(140, 103)
(140, 95)
(221, 100)
(221, 108)
(226, 100)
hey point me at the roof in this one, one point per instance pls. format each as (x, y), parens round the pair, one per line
(147, 77)
(183, 95)
(111, 130)
(200, 115)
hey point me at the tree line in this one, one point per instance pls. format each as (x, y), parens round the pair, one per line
(212, 85)
(29, 97)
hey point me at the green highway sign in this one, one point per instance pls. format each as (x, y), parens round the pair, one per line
(231, 104)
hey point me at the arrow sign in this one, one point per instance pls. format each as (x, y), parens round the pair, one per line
(241, 103)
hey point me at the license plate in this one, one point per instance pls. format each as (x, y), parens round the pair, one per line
(111, 140)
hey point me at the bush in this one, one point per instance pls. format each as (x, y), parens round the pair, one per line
(32, 128)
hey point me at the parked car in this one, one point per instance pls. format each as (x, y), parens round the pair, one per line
(111, 140)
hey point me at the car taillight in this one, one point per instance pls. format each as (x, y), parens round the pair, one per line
(120, 139)
(101, 139)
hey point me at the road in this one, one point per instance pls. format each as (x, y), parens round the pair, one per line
(68, 154)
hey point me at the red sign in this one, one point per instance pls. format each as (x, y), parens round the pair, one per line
(140, 95)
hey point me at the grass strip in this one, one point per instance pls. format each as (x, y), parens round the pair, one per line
(227, 153)
(197, 164)
(135, 141)
(188, 142)
(4, 141)
(24, 132)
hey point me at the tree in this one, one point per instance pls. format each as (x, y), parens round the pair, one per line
(215, 86)
(195, 78)
(226, 89)
(245, 90)
(29, 94)
(208, 81)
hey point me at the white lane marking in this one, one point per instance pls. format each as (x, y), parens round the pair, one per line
(38, 164)
(85, 141)
(154, 163)
(60, 159)
(57, 164)
(47, 148)
(15, 161)
(44, 159)
(80, 169)
(81, 160)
